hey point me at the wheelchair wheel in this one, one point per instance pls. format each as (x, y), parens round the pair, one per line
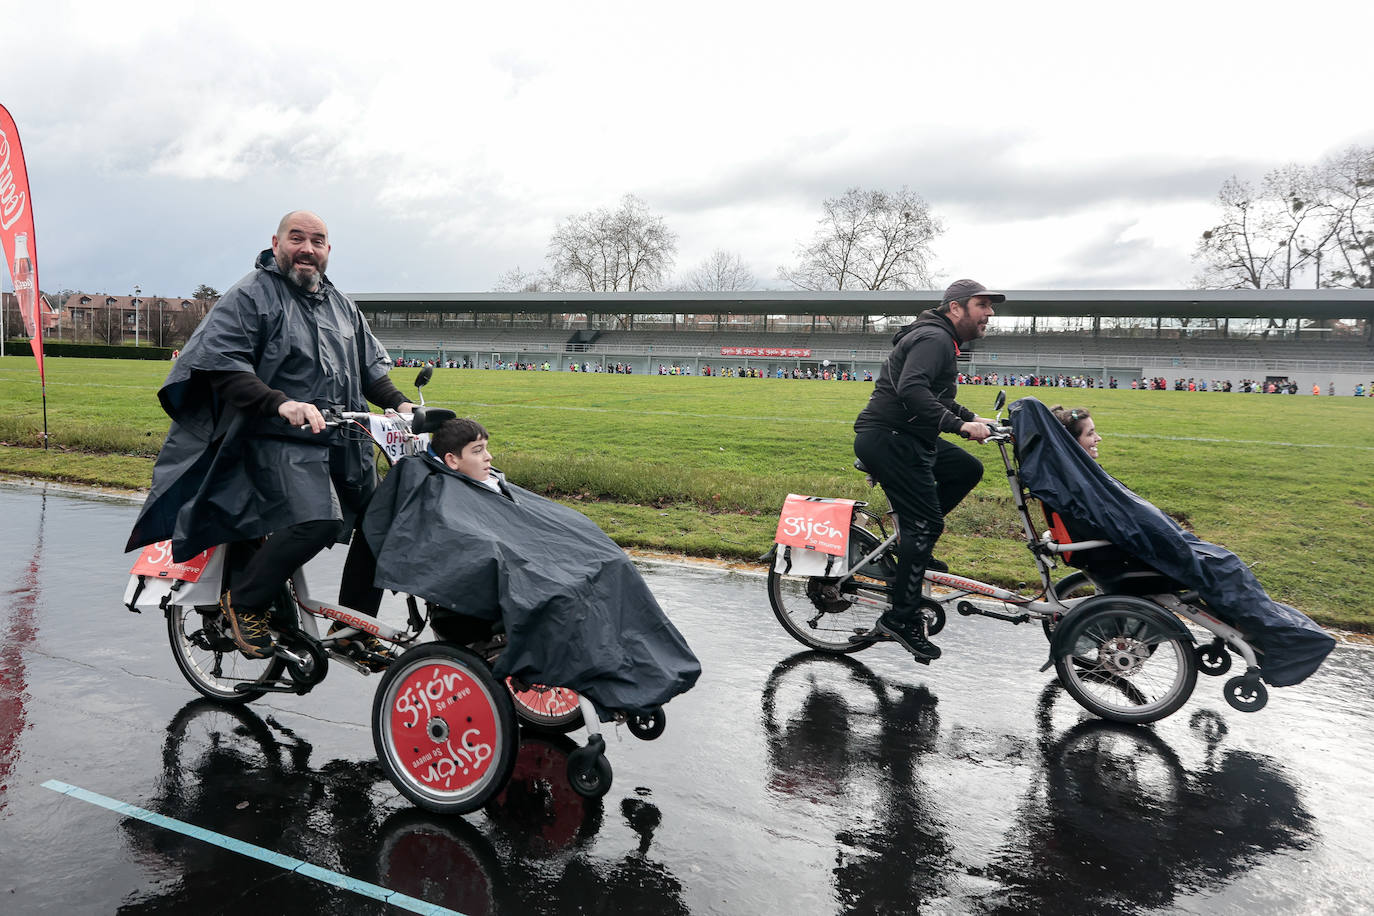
(1213, 659)
(1123, 662)
(589, 771)
(210, 660)
(647, 726)
(836, 618)
(1246, 693)
(444, 729)
(553, 710)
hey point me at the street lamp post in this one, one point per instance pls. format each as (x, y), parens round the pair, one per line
(136, 292)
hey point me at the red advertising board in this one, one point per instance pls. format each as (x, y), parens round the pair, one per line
(815, 523)
(156, 560)
(765, 351)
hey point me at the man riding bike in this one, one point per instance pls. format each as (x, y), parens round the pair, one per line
(248, 454)
(897, 437)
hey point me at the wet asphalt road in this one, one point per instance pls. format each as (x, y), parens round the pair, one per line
(786, 783)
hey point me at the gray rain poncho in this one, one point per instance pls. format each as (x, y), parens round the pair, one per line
(577, 613)
(224, 475)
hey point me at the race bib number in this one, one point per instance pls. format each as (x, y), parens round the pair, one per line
(156, 561)
(815, 523)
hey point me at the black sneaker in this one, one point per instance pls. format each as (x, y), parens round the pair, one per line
(248, 627)
(937, 565)
(911, 634)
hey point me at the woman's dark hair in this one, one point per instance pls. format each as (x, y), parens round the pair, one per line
(455, 435)
(1072, 419)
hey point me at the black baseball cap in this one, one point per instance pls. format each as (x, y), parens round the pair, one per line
(961, 290)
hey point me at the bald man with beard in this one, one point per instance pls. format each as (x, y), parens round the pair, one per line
(248, 455)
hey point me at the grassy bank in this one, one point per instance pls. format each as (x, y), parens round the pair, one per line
(701, 465)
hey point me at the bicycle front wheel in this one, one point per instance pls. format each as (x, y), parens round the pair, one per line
(830, 617)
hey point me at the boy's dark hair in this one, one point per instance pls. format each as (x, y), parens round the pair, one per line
(454, 436)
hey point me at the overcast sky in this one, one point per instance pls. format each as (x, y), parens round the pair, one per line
(1063, 145)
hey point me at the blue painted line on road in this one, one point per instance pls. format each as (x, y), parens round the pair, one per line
(299, 866)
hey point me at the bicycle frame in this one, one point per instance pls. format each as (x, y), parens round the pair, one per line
(1046, 606)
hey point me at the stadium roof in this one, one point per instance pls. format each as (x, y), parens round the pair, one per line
(1106, 303)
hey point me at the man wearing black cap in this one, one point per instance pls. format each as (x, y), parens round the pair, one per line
(898, 440)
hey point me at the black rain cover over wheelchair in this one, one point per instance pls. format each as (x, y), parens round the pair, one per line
(576, 611)
(1059, 473)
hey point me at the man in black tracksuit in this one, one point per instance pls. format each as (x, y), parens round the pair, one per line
(898, 440)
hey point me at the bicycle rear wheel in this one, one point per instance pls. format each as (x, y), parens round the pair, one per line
(836, 618)
(210, 660)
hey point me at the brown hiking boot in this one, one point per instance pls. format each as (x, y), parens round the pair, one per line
(248, 627)
(364, 648)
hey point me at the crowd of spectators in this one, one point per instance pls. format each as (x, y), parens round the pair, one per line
(1032, 381)
(835, 374)
(822, 373)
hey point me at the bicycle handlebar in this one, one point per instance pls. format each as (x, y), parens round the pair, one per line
(999, 433)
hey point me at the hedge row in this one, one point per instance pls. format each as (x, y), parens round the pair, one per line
(89, 351)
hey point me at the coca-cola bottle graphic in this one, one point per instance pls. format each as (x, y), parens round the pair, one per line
(24, 293)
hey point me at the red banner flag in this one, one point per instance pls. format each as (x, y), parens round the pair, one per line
(16, 234)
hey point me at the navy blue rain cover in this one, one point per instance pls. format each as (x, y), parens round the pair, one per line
(1057, 471)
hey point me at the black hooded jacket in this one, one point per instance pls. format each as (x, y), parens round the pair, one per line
(915, 389)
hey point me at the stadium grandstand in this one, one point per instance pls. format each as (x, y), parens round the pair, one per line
(1322, 337)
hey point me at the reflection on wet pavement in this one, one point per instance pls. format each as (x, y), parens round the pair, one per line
(787, 782)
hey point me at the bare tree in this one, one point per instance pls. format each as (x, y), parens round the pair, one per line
(868, 240)
(721, 272)
(1268, 235)
(182, 322)
(516, 280)
(627, 249)
(1350, 186)
(108, 326)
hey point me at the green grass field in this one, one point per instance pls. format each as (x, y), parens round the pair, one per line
(701, 465)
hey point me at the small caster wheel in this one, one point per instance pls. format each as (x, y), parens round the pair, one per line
(1213, 659)
(589, 771)
(934, 613)
(647, 727)
(1246, 693)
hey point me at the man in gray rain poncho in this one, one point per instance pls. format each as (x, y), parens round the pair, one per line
(248, 454)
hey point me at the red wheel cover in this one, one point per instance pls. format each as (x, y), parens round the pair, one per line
(443, 728)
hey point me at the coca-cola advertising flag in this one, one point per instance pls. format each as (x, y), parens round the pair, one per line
(16, 233)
